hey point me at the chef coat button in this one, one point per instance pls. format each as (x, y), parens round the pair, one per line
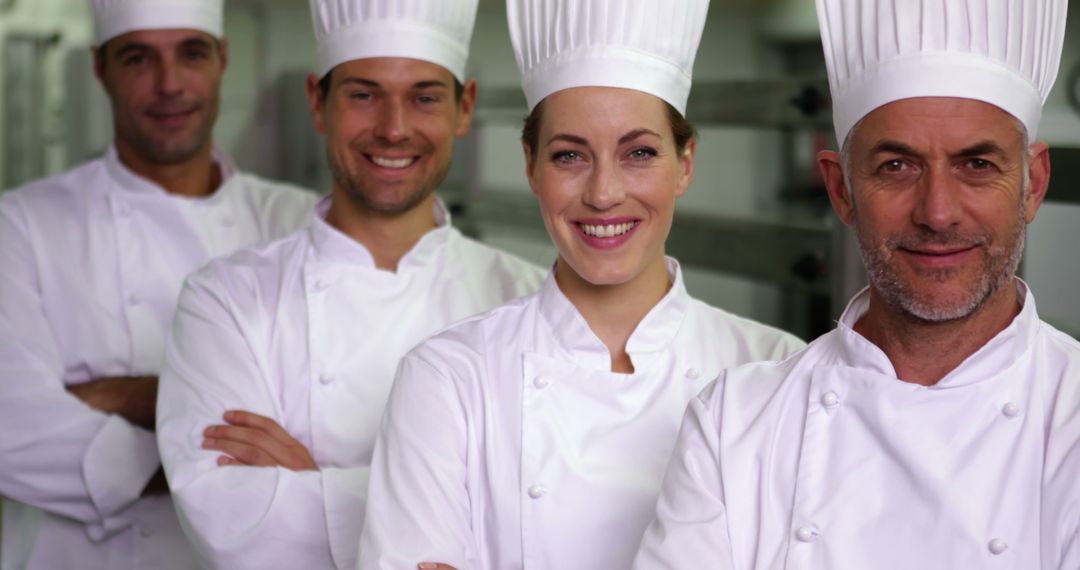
(227, 221)
(145, 532)
(806, 534)
(540, 382)
(537, 491)
(830, 400)
(134, 300)
(1010, 409)
(693, 373)
(322, 285)
(123, 211)
(326, 379)
(997, 546)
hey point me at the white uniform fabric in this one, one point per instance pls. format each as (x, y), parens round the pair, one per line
(508, 443)
(643, 45)
(92, 263)
(1003, 53)
(437, 31)
(827, 460)
(117, 17)
(309, 332)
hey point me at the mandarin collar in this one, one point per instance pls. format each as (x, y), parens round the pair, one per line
(990, 360)
(132, 182)
(653, 336)
(333, 246)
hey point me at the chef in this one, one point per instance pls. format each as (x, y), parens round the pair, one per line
(536, 436)
(938, 426)
(282, 356)
(93, 260)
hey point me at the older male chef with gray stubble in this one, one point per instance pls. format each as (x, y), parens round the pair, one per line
(938, 427)
(92, 263)
(282, 356)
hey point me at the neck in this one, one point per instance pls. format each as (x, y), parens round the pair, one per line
(387, 236)
(196, 177)
(924, 352)
(613, 312)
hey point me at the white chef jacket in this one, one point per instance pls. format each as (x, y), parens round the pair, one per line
(91, 263)
(827, 460)
(309, 332)
(508, 442)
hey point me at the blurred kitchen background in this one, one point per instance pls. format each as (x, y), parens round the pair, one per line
(755, 233)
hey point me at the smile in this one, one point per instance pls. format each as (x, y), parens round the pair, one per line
(392, 163)
(607, 231)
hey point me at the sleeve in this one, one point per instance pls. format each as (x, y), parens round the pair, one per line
(691, 527)
(235, 517)
(418, 505)
(57, 453)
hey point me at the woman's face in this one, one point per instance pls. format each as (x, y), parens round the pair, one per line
(607, 173)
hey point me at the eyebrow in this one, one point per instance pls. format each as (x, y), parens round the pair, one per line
(983, 148)
(428, 84)
(980, 148)
(575, 139)
(136, 46)
(893, 147)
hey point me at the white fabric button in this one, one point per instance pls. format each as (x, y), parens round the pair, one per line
(540, 382)
(693, 373)
(806, 534)
(326, 379)
(997, 546)
(227, 221)
(537, 491)
(123, 210)
(830, 400)
(134, 300)
(1010, 409)
(145, 532)
(322, 285)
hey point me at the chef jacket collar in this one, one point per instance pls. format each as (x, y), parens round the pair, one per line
(992, 359)
(653, 336)
(331, 245)
(131, 182)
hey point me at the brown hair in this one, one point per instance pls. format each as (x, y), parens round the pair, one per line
(681, 129)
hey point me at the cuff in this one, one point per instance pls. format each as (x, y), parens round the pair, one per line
(345, 498)
(117, 466)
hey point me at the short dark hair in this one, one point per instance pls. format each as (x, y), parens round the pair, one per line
(682, 130)
(326, 82)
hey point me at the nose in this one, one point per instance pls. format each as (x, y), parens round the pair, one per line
(939, 205)
(606, 189)
(168, 77)
(392, 123)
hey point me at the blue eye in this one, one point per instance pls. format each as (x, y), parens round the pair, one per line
(643, 153)
(565, 156)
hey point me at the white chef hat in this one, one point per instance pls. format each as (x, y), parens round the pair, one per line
(116, 17)
(436, 31)
(646, 45)
(1005, 53)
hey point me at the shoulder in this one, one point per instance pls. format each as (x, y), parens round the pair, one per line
(756, 340)
(59, 194)
(485, 262)
(253, 273)
(466, 344)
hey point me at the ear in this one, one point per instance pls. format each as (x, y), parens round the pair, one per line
(832, 172)
(1039, 177)
(465, 108)
(223, 53)
(98, 53)
(530, 167)
(686, 161)
(316, 102)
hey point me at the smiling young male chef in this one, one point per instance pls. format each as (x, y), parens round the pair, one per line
(282, 357)
(93, 260)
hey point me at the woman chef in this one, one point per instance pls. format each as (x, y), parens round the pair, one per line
(537, 435)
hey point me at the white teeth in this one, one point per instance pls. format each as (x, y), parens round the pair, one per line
(392, 162)
(607, 231)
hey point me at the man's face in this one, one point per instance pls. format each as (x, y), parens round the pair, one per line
(164, 87)
(940, 196)
(390, 125)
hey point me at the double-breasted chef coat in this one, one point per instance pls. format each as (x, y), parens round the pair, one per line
(827, 460)
(309, 332)
(509, 443)
(91, 264)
